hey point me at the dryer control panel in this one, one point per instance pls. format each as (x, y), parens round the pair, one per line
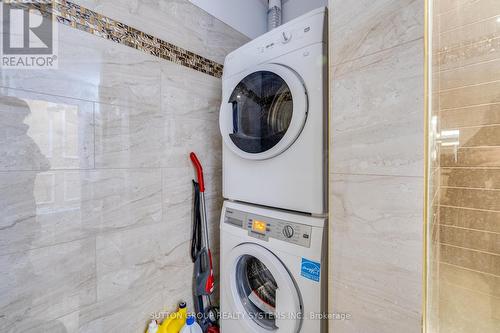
(263, 228)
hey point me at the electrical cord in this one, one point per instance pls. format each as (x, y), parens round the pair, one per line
(196, 228)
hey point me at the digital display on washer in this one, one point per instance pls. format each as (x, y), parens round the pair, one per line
(259, 226)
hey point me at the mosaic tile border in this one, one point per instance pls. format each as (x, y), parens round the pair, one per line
(84, 19)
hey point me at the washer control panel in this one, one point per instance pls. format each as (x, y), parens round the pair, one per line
(263, 228)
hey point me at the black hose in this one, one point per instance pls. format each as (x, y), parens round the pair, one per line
(196, 228)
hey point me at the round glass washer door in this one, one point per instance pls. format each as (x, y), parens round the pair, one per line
(263, 112)
(263, 290)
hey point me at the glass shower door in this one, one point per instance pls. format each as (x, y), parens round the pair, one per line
(463, 222)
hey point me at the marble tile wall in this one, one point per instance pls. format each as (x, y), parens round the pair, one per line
(176, 21)
(466, 72)
(95, 180)
(79, 17)
(376, 164)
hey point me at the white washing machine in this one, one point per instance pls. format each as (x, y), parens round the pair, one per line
(273, 118)
(272, 270)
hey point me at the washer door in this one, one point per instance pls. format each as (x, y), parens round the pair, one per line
(262, 291)
(263, 112)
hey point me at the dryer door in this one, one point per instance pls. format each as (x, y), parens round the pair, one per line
(264, 294)
(263, 111)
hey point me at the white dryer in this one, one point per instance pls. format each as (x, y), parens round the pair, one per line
(272, 270)
(273, 118)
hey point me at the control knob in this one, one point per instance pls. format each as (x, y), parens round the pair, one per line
(286, 37)
(288, 231)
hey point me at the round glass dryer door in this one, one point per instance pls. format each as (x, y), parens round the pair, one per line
(264, 113)
(263, 290)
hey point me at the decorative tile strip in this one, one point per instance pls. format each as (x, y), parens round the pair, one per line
(84, 19)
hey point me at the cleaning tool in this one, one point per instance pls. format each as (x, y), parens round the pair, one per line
(191, 326)
(175, 321)
(152, 327)
(201, 255)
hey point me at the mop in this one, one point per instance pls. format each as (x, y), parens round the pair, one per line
(201, 255)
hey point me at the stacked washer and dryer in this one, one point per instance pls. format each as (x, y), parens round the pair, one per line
(273, 121)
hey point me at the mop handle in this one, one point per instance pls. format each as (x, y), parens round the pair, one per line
(199, 171)
(208, 284)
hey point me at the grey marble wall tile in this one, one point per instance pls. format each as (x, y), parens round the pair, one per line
(139, 271)
(221, 39)
(178, 199)
(366, 26)
(18, 227)
(188, 93)
(130, 137)
(192, 103)
(178, 203)
(149, 113)
(134, 258)
(122, 198)
(176, 21)
(93, 69)
(42, 132)
(148, 138)
(198, 135)
(128, 313)
(39, 287)
(377, 113)
(369, 314)
(377, 252)
(43, 209)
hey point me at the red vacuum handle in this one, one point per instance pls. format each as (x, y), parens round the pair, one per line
(199, 171)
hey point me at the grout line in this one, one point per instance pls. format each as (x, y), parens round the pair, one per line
(86, 169)
(470, 249)
(468, 269)
(471, 44)
(472, 167)
(134, 105)
(469, 208)
(467, 86)
(468, 24)
(95, 268)
(162, 198)
(465, 228)
(36, 248)
(95, 131)
(471, 127)
(374, 175)
(469, 188)
(468, 106)
(474, 291)
(468, 65)
(376, 52)
(162, 219)
(447, 149)
(34, 92)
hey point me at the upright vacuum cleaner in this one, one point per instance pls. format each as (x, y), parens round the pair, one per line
(203, 279)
